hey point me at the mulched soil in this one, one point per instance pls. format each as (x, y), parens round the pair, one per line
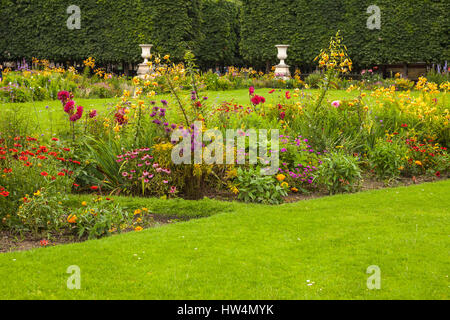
(10, 242)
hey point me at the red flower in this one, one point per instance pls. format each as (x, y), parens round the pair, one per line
(404, 125)
(61, 174)
(438, 174)
(271, 91)
(55, 139)
(76, 185)
(288, 95)
(257, 100)
(44, 174)
(94, 188)
(44, 243)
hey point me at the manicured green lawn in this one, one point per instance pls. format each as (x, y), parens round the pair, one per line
(259, 252)
(47, 117)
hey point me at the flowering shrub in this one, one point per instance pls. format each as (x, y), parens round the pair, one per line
(252, 187)
(42, 212)
(99, 217)
(28, 166)
(143, 175)
(299, 162)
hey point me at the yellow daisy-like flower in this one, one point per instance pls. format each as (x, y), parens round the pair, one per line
(84, 203)
(284, 185)
(138, 229)
(281, 177)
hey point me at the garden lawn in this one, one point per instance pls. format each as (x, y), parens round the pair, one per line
(260, 252)
(48, 119)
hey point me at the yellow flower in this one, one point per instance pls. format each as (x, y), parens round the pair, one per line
(138, 229)
(418, 163)
(281, 177)
(284, 185)
(38, 193)
(137, 211)
(294, 190)
(84, 203)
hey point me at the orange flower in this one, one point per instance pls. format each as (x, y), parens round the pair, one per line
(418, 163)
(281, 177)
(72, 219)
(138, 229)
(295, 190)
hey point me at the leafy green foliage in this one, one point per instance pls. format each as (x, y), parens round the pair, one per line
(339, 172)
(100, 217)
(411, 31)
(253, 187)
(387, 158)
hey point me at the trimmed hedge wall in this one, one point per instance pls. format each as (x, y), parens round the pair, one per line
(220, 31)
(411, 30)
(220, 26)
(111, 30)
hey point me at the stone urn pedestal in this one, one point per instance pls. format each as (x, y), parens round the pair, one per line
(144, 68)
(282, 69)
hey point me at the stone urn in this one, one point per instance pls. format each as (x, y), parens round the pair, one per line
(144, 68)
(282, 69)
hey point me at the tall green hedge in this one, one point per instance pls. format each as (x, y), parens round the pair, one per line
(220, 26)
(221, 31)
(411, 30)
(111, 30)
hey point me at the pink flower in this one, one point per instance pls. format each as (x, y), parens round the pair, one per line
(173, 189)
(68, 107)
(288, 95)
(93, 114)
(336, 104)
(166, 181)
(63, 96)
(77, 116)
(258, 99)
(251, 90)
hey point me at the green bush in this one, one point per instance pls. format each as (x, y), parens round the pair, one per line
(387, 158)
(253, 187)
(314, 80)
(98, 218)
(339, 173)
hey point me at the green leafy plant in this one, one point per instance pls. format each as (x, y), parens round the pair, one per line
(43, 212)
(98, 218)
(253, 187)
(387, 158)
(339, 173)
